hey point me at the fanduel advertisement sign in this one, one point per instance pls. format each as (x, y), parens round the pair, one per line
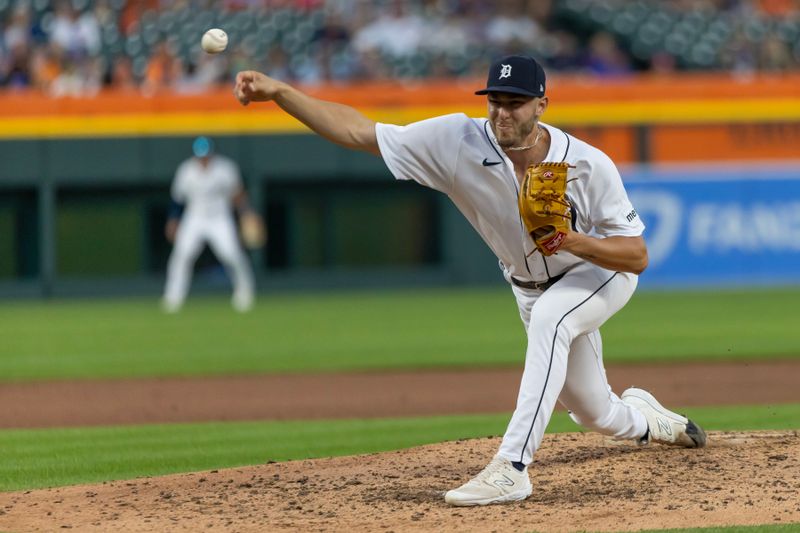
(719, 226)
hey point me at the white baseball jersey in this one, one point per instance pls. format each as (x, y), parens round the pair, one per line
(206, 191)
(460, 157)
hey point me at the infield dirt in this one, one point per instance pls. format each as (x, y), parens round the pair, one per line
(581, 481)
(366, 394)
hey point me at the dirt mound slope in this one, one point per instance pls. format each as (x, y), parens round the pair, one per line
(581, 482)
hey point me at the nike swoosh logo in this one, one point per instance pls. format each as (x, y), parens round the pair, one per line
(488, 163)
(505, 482)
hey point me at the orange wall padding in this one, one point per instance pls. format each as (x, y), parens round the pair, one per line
(741, 142)
(564, 89)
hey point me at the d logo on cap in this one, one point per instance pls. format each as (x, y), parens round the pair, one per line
(529, 78)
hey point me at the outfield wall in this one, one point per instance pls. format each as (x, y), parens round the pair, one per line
(84, 185)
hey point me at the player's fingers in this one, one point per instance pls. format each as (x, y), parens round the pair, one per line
(240, 95)
(245, 88)
(244, 76)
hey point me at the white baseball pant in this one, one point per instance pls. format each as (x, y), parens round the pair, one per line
(564, 360)
(220, 234)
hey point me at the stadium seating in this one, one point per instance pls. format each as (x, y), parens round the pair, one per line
(437, 39)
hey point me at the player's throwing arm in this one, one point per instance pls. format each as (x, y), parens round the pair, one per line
(338, 123)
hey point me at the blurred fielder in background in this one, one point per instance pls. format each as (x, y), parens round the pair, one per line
(205, 189)
(563, 297)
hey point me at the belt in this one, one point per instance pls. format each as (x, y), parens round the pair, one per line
(537, 285)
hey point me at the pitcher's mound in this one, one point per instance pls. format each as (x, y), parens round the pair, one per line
(581, 482)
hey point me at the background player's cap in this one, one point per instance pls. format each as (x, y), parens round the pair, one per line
(515, 74)
(202, 147)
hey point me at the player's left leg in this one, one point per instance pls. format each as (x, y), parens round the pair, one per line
(224, 243)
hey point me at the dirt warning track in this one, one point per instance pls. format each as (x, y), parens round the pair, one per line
(365, 394)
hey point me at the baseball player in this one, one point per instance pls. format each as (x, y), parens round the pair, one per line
(566, 287)
(205, 188)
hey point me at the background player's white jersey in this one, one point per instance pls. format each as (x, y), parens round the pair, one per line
(460, 157)
(207, 191)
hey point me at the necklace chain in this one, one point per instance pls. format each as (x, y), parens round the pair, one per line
(535, 141)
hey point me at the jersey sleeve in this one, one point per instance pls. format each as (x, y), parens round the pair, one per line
(424, 151)
(235, 183)
(179, 191)
(611, 212)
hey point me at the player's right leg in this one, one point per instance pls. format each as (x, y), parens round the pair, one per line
(664, 426)
(589, 398)
(636, 415)
(189, 242)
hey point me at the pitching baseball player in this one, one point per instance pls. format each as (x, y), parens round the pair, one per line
(554, 211)
(205, 188)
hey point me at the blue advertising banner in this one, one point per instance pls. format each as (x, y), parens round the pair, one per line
(719, 226)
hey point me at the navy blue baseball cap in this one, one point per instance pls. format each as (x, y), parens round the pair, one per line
(202, 147)
(515, 74)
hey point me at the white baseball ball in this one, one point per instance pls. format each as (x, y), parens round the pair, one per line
(214, 41)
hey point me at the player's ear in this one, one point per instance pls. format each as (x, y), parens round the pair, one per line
(541, 106)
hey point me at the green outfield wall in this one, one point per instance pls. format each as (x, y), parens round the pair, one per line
(86, 216)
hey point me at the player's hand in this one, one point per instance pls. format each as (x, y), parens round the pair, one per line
(171, 229)
(252, 86)
(252, 230)
(571, 241)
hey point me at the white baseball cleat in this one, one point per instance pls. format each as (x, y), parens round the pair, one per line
(664, 426)
(242, 301)
(170, 307)
(497, 483)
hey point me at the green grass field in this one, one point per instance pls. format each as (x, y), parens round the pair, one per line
(777, 528)
(358, 330)
(53, 457)
(94, 339)
(733, 529)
